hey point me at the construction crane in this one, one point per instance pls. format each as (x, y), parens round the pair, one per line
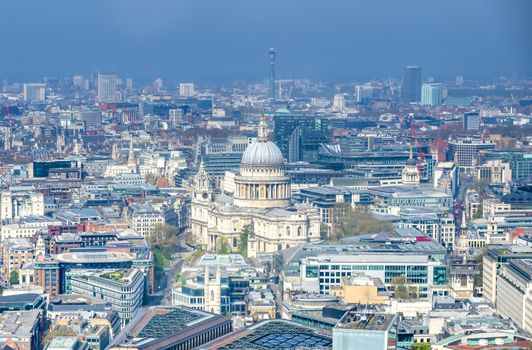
(390, 86)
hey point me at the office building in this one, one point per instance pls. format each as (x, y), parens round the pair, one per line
(466, 151)
(92, 120)
(107, 87)
(411, 84)
(223, 293)
(271, 84)
(186, 89)
(129, 84)
(432, 94)
(54, 273)
(520, 162)
(409, 196)
(495, 258)
(304, 145)
(170, 328)
(437, 223)
(18, 204)
(21, 329)
(363, 93)
(41, 169)
(144, 219)
(514, 293)
(495, 172)
(339, 102)
(322, 273)
(123, 289)
(285, 123)
(409, 254)
(34, 92)
(471, 121)
(26, 227)
(158, 84)
(22, 302)
(369, 331)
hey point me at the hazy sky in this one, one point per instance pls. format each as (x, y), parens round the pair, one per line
(225, 40)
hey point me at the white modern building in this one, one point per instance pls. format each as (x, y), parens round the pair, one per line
(124, 290)
(363, 93)
(432, 94)
(18, 204)
(34, 92)
(26, 227)
(107, 87)
(186, 89)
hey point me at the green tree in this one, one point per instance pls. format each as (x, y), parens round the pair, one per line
(163, 235)
(479, 259)
(420, 346)
(13, 277)
(222, 246)
(400, 288)
(478, 214)
(163, 243)
(349, 221)
(150, 178)
(243, 244)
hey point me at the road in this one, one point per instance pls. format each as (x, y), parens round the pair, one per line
(164, 287)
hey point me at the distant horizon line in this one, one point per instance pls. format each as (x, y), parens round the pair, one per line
(26, 78)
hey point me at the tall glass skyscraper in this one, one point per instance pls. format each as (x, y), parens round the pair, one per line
(106, 87)
(272, 55)
(411, 84)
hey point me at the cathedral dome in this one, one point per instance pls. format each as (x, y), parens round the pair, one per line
(411, 161)
(262, 153)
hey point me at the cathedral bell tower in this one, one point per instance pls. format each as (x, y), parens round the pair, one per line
(202, 185)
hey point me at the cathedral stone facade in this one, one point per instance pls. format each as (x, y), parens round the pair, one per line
(261, 203)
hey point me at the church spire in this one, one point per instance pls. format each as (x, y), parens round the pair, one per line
(463, 224)
(131, 155)
(115, 154)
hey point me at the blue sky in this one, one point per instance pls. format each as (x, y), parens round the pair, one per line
(226, 40)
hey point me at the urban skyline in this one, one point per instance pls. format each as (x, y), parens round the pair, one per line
(276, 175)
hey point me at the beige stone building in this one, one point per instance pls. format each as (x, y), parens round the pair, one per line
(15, 253)
(18, 204)
(261, 202)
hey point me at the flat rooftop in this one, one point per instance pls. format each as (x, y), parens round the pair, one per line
(222, 260)
(366, 321)
(91, 257)
(163, 327)
(274, 334)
